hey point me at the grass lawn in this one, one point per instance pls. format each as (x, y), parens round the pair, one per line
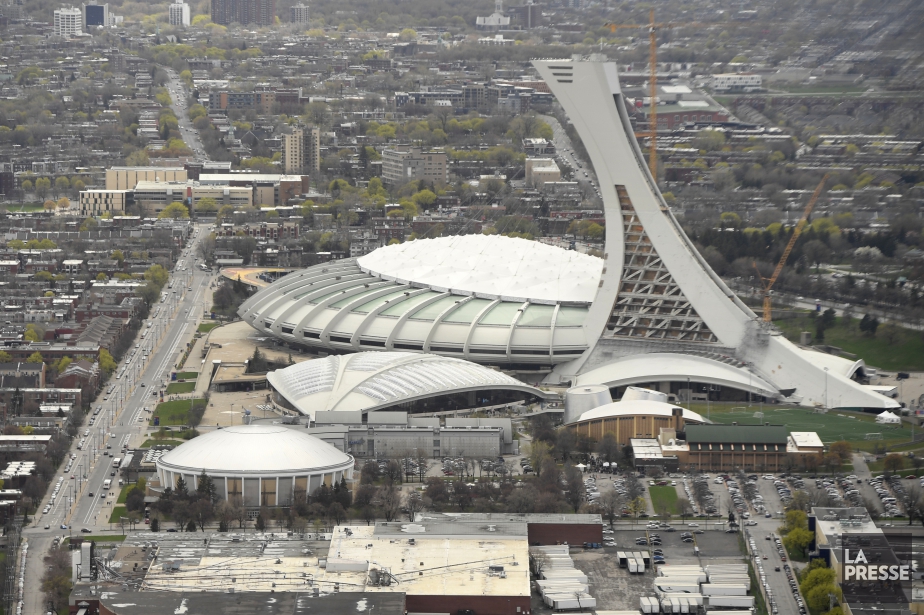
(906, 353)
(208, 326)
(150, 443)
(173, 412)
(664, 498)
(181, 387)
(123, 494)
(117, 513)
(187, 375)
(831, 427)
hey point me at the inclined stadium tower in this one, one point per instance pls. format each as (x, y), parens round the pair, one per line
(651, 312)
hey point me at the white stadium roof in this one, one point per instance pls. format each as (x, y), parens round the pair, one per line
(450, 303)
(254, 449)
(669, 366)
(490, 267)
(639, 407)
(372, 380)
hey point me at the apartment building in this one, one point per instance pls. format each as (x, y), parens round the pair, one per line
(301, 151)
(400, 166)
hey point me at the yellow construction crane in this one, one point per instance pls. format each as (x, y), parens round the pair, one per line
(769, 282)
(653, 28)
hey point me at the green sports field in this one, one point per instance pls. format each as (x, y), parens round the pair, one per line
(831, 427)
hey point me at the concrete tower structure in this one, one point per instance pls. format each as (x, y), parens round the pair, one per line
(660, 313)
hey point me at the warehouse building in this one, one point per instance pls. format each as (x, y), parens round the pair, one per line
(395, 434)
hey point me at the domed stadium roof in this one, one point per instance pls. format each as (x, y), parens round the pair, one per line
(639, 407)
(372, 380)
(490, 266)
(488, 299)
(254, 449)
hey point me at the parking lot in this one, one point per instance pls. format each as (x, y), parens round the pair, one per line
(616, 589)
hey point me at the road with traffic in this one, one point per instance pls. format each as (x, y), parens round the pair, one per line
(77, 500)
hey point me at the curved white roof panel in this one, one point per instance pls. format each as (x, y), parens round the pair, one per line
(639, 407)
(660, 366)
(340, 307)
(491, 267)
(372, 380)
(255, 449)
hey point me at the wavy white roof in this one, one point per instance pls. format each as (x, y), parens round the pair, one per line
(371, 380)
(254, 449)
(490, 266)
(639, 407)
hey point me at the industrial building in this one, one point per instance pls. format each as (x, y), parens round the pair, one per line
(540, 171)
(264, 465)
(396, 434)
(373, 381)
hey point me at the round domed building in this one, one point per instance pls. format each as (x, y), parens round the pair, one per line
(265, 465)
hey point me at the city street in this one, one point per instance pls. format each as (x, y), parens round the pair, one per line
(82, 502)
(178, 94)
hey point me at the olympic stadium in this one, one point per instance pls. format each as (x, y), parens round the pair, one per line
(650, 313)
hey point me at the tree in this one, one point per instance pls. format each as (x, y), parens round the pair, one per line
(389, 501)
(608, 447)
(35, 357)
(407, 35)
(107, 363)
(709, 140)
(798, 540)
(869, 324)
(612, 503)
(49, 206)
(891, 333)
(793, 520)
(157, 274)
(203, 511)
(42, 186)
(62, 184)
(414, 504)
(637, 506)
(260, 523)
(63, 203)
(175, 210)
(817, 583)
(5, 357)
(843, 450)
(26, 185)
(155, 524)
(893, 462)
(207, 204)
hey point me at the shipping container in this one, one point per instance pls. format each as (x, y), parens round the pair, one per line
(724, 589)
(739, 602)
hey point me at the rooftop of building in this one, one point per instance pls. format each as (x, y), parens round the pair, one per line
(737, 434)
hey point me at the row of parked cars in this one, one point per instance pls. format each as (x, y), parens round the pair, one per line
(891, 492)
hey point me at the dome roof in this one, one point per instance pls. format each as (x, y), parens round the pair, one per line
(371, 380)
(639, 407)
(255, 449)
(488, 299)
(490, 266)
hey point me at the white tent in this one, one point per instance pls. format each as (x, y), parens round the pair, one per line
(887, 418)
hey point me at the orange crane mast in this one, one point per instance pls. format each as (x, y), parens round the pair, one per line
(769, 282)
(653, 28)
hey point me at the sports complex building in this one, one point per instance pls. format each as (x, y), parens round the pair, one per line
(650, 313)
(264, 465)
